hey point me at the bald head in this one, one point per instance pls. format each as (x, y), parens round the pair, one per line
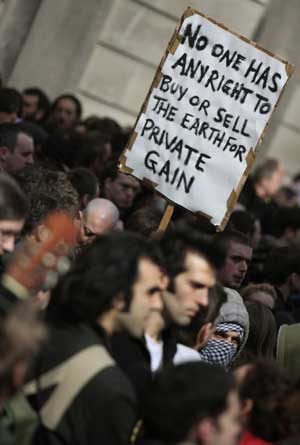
(100, 216)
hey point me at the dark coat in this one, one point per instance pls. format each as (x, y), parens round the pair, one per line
(101, 411)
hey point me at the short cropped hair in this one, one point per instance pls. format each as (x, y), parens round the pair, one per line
(9, 135)
(265, 170)
(13, 203)
(43, 99)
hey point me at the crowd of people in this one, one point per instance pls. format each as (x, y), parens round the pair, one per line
(126, 335)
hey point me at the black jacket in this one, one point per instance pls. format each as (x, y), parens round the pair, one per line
(133, 357)
(101, 411)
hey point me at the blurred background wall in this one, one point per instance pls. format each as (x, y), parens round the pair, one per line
(107, 51)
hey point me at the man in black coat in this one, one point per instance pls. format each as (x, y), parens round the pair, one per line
(81, 395)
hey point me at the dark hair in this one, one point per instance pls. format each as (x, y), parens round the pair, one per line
(93, 147)
(179, 242)
(37, 133)
(265, 170)
(47, 190)
(285, 218)
(295, 440)
(9, 135)
(188, 334)
(43, 99)
(13, 203)
(180, 397)
(107, 268)
(144, 221)
(243, 222)
(84, 181)
(57, 150)
(262, 335)
(73, 99)
(276, 402)
(281, 263)
(222, 240)
(110, 172)
(10, 100)
(105, 125)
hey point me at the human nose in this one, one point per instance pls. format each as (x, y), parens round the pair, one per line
(202, 297)
(9, 244)
(243, 266)
(157, 302)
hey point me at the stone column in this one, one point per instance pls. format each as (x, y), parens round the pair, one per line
(279, 32)
(15, 22)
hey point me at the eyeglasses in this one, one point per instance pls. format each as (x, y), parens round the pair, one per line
(88, 232)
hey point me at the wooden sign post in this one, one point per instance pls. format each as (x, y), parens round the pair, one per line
(204, 117)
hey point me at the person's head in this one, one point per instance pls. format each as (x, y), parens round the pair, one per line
(16, 148)
(35, 104)
(262, 335)
(119, 188)
(193, 403)
(65, 112)
(263, 293)
(190, 267)
(21, 334)
(37, 133)
(267, 178)
(10, 105)
(282, 268)
(202, 326)
(286, 226)
(274, 402)
(13, 210)
(99, 217)
(95, 153)
(230, 334)
(244, 222)
(145, 221)
(115, 283)
(238, 254)
(286, 197)
(85, 183)
(47, 190)
(104, 125)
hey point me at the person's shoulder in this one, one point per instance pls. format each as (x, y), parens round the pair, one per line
(185, 354)
(111, 382)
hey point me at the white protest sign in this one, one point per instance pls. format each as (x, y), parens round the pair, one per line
(204, 117)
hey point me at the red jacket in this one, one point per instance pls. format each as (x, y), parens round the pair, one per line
(249, 439)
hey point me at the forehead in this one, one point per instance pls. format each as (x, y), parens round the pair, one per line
(24, 141)
(147, 270)
(232, 334)
(30, 97)
(11, 225)
(239, 249)
(127, 180)
(199, 267)
(66, 103)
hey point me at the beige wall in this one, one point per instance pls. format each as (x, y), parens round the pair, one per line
(107, 52)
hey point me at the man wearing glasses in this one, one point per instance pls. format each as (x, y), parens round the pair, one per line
(99, 217)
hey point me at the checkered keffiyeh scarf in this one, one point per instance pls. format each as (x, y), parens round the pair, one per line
(222, 352)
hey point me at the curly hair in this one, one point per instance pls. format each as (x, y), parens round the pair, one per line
(46, 190)
(106, 269)
(276, 402)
